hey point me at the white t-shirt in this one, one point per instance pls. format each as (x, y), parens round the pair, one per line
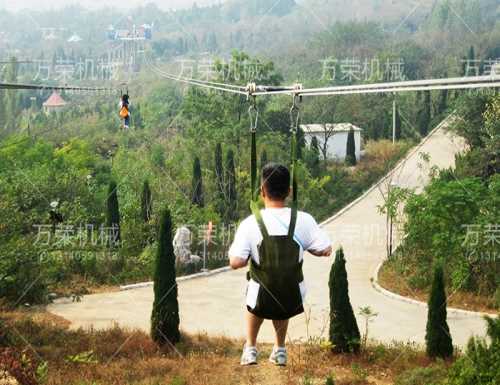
(308, 234)
(248, 237)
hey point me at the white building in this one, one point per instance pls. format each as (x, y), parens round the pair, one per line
(335, 136)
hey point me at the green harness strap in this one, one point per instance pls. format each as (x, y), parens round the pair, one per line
(254, 203)
(278, 272)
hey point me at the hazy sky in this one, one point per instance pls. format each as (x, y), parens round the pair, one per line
(48, 4)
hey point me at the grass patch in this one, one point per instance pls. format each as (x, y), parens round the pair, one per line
(392, 278)
(51, 353)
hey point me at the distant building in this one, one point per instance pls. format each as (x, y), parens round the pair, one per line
(143, 32)
(335, 136)
(54, 103)
(74, 39)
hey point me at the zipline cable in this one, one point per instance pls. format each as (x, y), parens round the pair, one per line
(413, 85)
(201, 83)
(41, 87)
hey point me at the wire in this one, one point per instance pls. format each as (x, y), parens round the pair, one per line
(405, 89)
(207, 84)
(414, 85)
(20, 86)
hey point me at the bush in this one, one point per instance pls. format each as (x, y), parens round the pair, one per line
(165, 314)
(481, 363)
(432, 375)
(23, 277)
(438, 337)
(344, 331)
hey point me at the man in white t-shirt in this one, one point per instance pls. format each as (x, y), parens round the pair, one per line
(282, 229)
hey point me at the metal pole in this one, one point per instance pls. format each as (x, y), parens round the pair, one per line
(390, 240)
(204, 255)
(394, 120)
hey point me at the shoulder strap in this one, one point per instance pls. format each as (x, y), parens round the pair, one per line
(258, 217)
(293, 221)
(294, 147)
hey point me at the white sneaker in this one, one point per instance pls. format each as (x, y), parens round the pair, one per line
(278, 356)
(249, 356)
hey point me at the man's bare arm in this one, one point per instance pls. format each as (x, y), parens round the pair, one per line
(322, 253)
(237, 262)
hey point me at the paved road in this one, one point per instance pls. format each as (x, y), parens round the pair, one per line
(215, 304)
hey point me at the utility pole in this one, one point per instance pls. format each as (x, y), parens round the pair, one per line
(394, 119)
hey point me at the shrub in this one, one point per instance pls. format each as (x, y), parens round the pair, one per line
(432, 375)
(438, 336)
(344, 332)
(165, 315)
(481, 363)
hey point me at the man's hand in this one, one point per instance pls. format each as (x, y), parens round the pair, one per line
(323, 253)
(237, 262)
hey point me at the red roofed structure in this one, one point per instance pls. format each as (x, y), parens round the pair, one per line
(54, 103)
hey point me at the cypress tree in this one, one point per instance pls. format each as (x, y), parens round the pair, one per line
(113, 213)
(344, 332)
(437, 337)
(197, 184)
(424, 116)
(146, 202)
(301, 142)
(231, 194)
(398, 124)
(219, 179)
(314, 162)
(11, 96)
(350, 157)
(165, 315)
(263, 159)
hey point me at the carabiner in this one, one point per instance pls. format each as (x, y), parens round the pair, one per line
(253, 114)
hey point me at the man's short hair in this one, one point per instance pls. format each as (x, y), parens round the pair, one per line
(276, 181)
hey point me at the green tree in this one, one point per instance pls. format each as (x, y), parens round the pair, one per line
(424, 115)
(437, 337)
(398, 124)
(263, 158)
(197, 184)
(481, 363)
(137, 117)
(113, 213)
(313, 161)
(300, 142)
(10, 100)
(344, 331)
(165, 315)
(219, 179)
(146, 202)
(350, 155)
(231, 193)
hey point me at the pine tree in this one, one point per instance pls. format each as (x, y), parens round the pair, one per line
(344, 332)
(437, 337)
(231, 194)
(350, 155)
(197, 184)
(219, 180)
(113, 213)
(165, 315)
(146, 202)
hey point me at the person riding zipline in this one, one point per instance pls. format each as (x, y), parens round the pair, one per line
(274, 240)
(125, 111)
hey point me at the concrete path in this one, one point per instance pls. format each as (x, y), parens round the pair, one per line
(215, 304)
